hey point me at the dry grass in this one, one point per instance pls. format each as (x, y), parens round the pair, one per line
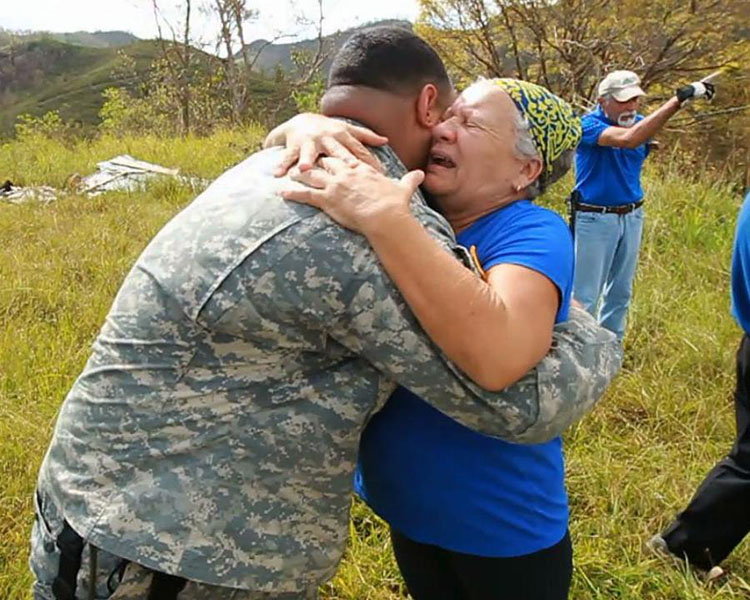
(631, 465)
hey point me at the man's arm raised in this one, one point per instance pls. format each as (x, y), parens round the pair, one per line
(641, 132)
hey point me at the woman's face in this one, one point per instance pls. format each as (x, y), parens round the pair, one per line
(472, 158)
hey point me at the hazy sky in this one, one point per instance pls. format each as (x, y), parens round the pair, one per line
(137, 17)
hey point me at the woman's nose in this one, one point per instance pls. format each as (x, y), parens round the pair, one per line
(445, 130)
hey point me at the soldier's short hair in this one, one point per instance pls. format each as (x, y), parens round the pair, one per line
(389, 58)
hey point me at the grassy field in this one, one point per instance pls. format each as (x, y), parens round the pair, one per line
(631, 464)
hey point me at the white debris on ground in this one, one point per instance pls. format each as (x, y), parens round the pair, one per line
(121, 173)
(20, 195)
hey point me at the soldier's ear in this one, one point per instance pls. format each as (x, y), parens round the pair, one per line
(428, 107)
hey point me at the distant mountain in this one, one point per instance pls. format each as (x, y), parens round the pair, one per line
(68, 72)
(280, 55)
(97, 39)
(44, 74)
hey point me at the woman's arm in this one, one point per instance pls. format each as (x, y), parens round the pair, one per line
(495, 331)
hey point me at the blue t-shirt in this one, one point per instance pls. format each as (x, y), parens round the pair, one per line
(605, 175)
(741, 268)
(440, 483)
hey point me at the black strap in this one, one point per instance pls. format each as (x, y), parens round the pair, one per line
(119, 570)
(71, 549)
(573, 200)
(165, 587)
(93, 565)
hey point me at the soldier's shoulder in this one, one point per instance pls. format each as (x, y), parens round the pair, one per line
(390, 161)
(259, 166)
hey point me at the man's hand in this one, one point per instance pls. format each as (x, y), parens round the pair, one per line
(308, 136)
(697, 89)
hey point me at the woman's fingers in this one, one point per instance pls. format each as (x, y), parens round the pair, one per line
(365, 135)
(309, 135)
(276, 137)
(412, 180)
(303, 196)
(334, 165)
(336, 149)
(355, 151)
(308, 154)
(315, 178)
(288, 158)
(367, 157)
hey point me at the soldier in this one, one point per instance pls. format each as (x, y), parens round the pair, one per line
(207, 449)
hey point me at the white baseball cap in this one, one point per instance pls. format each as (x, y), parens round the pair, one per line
(621, 85)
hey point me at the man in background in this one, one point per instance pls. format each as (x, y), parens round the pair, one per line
(606, 204)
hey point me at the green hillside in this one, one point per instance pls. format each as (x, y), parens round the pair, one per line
(96, 39)
(43, 75)
(271, 56)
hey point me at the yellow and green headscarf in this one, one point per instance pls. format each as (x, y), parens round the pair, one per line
(553, 125)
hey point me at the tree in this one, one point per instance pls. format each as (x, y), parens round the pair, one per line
(223, 87)
(569, 45)
(302, 84)
(176, 60)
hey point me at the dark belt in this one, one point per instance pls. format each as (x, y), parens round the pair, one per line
(620, 209)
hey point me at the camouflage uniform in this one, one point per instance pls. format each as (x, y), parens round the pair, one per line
(213, 432)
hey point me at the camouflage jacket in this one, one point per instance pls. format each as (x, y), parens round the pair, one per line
(213, 432)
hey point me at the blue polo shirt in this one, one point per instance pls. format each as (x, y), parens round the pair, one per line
(440, 483)
(607, 176)
(741, 268)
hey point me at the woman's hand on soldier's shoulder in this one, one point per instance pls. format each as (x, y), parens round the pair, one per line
(308, 136)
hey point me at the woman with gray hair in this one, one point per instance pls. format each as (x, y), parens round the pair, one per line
(471, 516)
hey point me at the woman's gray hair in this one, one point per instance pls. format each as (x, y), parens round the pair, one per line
(525, 149)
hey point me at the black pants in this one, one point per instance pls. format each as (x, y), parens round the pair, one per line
(718, 516)
(432, 573)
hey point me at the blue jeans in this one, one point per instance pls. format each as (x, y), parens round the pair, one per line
(606, 256)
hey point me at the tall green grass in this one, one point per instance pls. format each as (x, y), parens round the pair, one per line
(631, 464)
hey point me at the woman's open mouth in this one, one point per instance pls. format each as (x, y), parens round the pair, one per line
(441, 160)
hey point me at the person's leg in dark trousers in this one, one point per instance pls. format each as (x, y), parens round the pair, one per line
(426, 569)
(432, 573)
(718, 516)
(543, 575)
